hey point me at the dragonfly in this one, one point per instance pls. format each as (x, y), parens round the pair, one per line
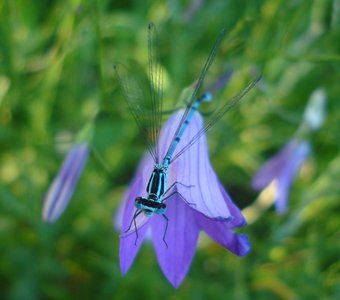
(149, 123)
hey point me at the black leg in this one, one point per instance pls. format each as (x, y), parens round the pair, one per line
(166, 228)
(135, 215)
(134, 222)
(177, 182)
(179, 194)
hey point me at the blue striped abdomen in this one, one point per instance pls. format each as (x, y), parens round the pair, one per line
(183, 126)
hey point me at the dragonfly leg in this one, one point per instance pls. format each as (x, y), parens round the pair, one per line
(181, 196)
(135, 215)
(133, 221)
(177, 182)
(166, 229)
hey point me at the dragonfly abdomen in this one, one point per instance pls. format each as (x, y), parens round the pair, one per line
(184, 125)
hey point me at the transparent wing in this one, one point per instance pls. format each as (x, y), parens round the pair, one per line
(199, 83)
(136, 99)
(144, 96)
(216, 116)
(156, 85)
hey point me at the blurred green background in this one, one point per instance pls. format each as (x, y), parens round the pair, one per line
(56, 73)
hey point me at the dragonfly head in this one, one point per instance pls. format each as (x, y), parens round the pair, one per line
(149, 206)
(207, 97)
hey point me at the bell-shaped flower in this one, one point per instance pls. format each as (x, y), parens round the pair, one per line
(281, 169)
(196, 202)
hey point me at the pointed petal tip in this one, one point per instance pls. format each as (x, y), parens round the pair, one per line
(124, 268)
(280, 209)
(126, 259)
(175, 279)
(223, 233)
(49, 216)
(244, 246)
(176, 283)
(47, 220)
(129, 248)
(181, 236)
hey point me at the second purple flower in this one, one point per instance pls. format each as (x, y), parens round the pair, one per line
(282, 169)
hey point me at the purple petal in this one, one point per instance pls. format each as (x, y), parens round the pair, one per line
(270, 170)
(288, 172)
(220, 232)
(129, 246)
(193, 169)
(181, 238)
(136, 188)
(62, 188)
(237, 219)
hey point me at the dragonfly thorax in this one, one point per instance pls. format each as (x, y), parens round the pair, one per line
(157, 183)
(152, 204)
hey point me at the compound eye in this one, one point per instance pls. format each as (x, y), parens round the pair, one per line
(162, 205)
(138, 200)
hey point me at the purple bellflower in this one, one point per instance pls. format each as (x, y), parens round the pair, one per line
(282, 167)
(62, 187)
(199, 203)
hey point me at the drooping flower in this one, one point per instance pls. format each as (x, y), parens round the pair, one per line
(62, 187)
(282, 167)
(199, 202)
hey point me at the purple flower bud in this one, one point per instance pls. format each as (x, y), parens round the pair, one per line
(220, 83)
(62, 188)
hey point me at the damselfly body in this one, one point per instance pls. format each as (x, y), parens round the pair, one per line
(150, 124)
